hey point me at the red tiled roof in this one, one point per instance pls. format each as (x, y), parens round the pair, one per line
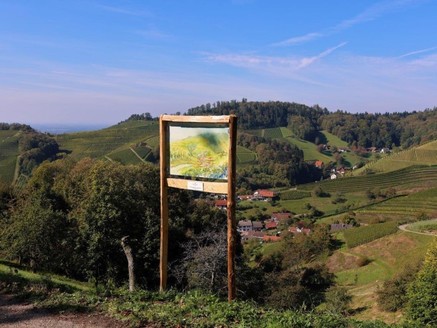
(271, 224)
(266, 193)
(221, 203)
(281, 216)
(318, 164)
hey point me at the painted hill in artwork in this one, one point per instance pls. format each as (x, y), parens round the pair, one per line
(204, 155)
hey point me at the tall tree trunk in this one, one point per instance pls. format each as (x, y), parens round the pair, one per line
(130, 262)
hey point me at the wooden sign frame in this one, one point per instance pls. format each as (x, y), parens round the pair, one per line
(205, 185)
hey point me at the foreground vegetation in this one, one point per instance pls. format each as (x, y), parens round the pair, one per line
(169, 309)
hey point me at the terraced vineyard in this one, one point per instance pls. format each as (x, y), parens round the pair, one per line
(112, 142)
(407, 206)
(8, 153)
(422, 155)
(400, 179)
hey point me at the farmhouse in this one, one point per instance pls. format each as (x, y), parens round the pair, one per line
(271, 224)
(279, 216)
(221, 203)
(339, 226)
(246, 235)
(245, 225)
(257, 226)
(264, 194)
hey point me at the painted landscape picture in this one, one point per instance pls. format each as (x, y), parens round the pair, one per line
(199, 152)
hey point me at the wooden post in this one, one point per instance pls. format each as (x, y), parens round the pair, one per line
(231, 204)
(163, 131)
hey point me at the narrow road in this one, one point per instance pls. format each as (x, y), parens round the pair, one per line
(14, 314)
(404, 228)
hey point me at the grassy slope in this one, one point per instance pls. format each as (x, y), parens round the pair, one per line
(114, 142)
(422, 155)
(387, 256)
(309, 148)
(8, 154)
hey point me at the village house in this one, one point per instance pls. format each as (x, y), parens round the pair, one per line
(221, 204)
(296, 230)
(244, 197)
(279, 216)
(334, 227)
(264, 194)
(257, 225)
(245, 225)
(271, 224)
(319, 164)
(247, 235)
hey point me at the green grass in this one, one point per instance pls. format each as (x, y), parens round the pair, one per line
(13, 278)
(245, 156)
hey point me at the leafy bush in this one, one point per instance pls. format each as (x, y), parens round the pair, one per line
(393, 294)
(363, 235)
(422, 293)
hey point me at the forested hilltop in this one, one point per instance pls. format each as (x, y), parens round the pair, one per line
(362, 129)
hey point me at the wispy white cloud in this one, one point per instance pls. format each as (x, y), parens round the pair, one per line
(416, 52)
(371, 13)
(309, 60)
(274, 65)
(124, 11)
(299, 39)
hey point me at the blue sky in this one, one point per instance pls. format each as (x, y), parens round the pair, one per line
(95, 61)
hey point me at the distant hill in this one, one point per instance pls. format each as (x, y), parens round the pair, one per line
(136, 139)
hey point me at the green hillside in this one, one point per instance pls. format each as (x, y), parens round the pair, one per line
(113, 143)
(422, 155)
(400, 179)
(8, 154)
(309, 149)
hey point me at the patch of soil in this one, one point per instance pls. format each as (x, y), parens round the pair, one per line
(15, 314)
(340, 261)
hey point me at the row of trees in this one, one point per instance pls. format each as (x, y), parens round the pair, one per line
(15, 127)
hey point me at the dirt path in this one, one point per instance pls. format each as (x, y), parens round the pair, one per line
(404, 227)
(24, 315)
